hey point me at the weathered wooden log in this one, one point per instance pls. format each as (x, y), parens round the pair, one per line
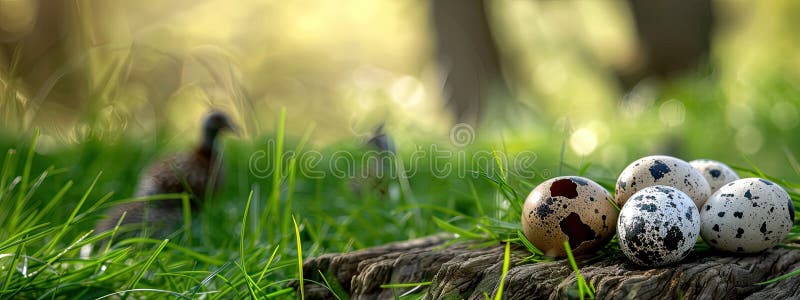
(460, 271)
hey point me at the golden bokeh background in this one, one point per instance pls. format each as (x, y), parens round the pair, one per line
(132, 68)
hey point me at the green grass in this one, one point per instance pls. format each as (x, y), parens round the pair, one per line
(237, 246)
(221, 252)
(506, 261)
(252, 235)
(584, 290)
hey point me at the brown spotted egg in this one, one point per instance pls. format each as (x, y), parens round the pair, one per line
(747, 216)
(716, 173)
(568, 208)
(657, 226)
(661, 170)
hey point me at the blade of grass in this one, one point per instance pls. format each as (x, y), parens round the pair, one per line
(242, 235)
(186, 251)
(52, 203)
(114, 231)
(782, 277)
(499, 163)
(754, 167)
(18, 209)
(150, 260)
(454, 229)
(474, 194)
(505, 189)
(49, 264)
(159, 197)
(244, 226)
(12, 267)
(792, 160)
(208, 278)
(506, 260)
(124, 292)
(532, 249)
(585, 168)
(16, 240)
(761, 174)
(23, 187)
(187, 218)
(287, 206)
(26, 169)
(583, 288)
(335, 289)
(72, 215)
(299, 258)
(268, 264)
(9, 167)
(92, 209)
(251, 285)
(614, 204)
(287, 209)
(279, 293)
(274, 198)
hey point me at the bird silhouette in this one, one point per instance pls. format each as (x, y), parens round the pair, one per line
(377, 167)
(196, 173)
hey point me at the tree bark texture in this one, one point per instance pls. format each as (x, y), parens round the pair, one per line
(462, 271)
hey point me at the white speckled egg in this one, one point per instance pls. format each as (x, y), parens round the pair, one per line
(716, 173)
(747, 216)
(657, 226)
(661, 170)
(568, 208)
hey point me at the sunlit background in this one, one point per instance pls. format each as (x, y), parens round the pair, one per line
(572, 74)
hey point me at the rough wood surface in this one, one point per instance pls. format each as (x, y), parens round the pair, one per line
(460, 271)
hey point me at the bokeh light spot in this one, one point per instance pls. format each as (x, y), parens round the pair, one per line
(583, 141)
(784, 115)
(749, 139)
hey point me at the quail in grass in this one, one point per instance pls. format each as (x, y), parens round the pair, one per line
(195, 172)
(376, 165)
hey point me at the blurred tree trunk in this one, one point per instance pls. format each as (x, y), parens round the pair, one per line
(63, 62)
(33, 44)
(467, 55)
(674, 37)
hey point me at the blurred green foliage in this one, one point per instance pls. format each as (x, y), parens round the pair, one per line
(113, 98)
(147, 70)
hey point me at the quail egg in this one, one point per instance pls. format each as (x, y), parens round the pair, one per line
(716, 173)
(568, 208)
(657, 226)
(661, 170)
(747, 216)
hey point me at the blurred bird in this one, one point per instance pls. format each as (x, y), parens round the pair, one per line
(380, 141)
(196, 173)
(376, 165)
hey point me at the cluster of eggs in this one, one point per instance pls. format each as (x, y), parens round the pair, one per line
(666, 203)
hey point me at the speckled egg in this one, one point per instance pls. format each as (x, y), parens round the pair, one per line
(716, 173)
(568, 208)
(657, 226)
(747, 216)
(661, 170)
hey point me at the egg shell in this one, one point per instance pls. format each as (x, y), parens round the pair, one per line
(747, 216)
(716, 173)
(659, 225)
(661, 170)
(568, 208)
